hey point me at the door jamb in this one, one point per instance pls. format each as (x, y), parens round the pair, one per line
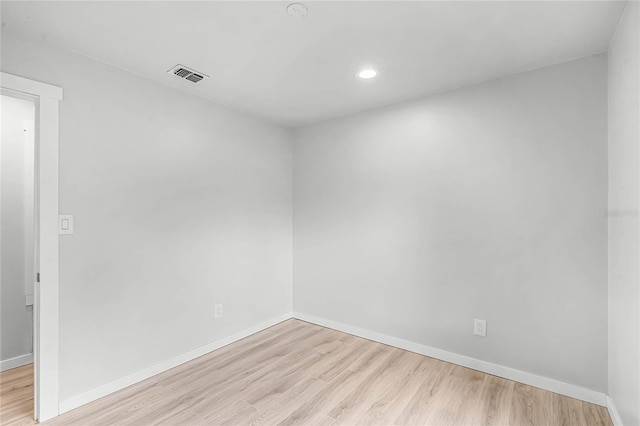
(46, 361)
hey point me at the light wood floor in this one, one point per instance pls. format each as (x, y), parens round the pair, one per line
(300, 373)
(16, 396)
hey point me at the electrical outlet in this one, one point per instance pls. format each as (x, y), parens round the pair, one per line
(217, 311)
(480, 327)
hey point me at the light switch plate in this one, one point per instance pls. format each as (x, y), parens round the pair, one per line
(65, 224)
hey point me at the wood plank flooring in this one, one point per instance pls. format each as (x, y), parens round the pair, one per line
(301, 373)
(16, 396)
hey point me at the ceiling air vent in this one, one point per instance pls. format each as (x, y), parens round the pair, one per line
(187, 73)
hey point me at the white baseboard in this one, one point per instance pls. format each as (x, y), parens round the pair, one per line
(116, 385)
(494, 369)
(16, 362)
(613, 412)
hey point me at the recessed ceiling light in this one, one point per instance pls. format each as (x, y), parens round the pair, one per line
(367, 73)
(297, 10)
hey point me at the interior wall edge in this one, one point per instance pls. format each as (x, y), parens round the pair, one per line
(623, 159)
(546, 383)
(613, 412)
(133, 378)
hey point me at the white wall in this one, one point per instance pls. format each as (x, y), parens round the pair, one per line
(624, 186)
(179, 204)
(484, 202)
(16, 230)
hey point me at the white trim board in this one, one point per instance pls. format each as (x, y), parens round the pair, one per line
(546, 383)
(46, 308)
(25, 85)
(106, 389)
(16, 362)
(613, 412)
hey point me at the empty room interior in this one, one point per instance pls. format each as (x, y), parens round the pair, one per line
(320, 213)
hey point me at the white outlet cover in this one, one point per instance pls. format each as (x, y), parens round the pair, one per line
(480, 327)
(217, 311)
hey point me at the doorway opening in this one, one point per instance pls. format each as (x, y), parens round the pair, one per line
(18, 253)
(37, 192)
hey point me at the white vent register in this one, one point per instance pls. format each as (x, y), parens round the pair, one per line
(187, 73)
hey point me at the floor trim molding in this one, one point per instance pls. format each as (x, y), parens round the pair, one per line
(613, 412)
(16, 362)
(546, 383)
(116, 385)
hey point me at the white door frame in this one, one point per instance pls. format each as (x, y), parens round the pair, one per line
(46, 398)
